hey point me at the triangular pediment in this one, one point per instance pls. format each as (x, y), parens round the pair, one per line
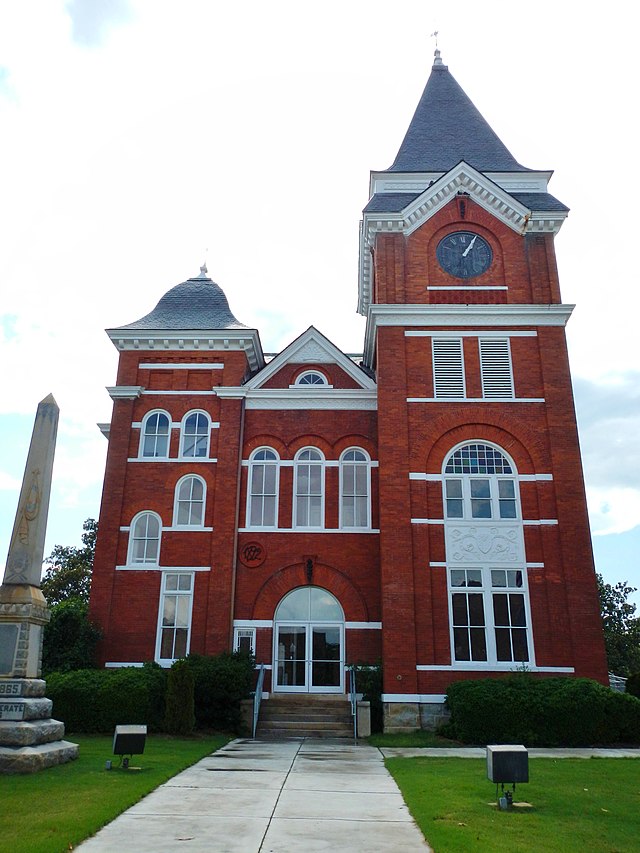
(312, 347)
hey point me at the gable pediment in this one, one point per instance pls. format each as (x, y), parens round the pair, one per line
(312, 348)
(408, 211)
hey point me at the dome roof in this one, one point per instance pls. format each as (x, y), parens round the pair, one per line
(197, 303)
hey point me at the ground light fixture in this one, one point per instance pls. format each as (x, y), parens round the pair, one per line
(507, 764)
(127, 742)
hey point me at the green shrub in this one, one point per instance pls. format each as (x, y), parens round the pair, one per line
(221, 682)
(369, 683)
(96, 700)
(541, 712)
(70, 639)
(633, 685)
(179, 714)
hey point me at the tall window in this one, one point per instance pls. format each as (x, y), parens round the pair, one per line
(189, 502)
(479, 483)
(309, 488)
(495, 368)
(155, 436)
(262, 497)
(448, 368)
(489, 615)
(355, 487)
(196, 429)
(175, 616)
(144, 539)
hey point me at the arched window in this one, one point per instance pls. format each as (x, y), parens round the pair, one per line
(355, 489)
(262, 493)
(194, 439)
(479, 483)
(155, 435)
(311, 377)
(144, 539)
(487, 577)
(189, 502)
(309, 488)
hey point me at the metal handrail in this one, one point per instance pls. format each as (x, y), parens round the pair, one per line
(354, 701)
(257, 698)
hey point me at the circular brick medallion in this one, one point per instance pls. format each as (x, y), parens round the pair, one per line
(252, 555)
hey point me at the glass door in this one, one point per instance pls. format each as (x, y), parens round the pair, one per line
(326, 660)
(291, 658)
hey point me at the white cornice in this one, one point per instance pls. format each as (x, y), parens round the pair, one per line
(105, 429)
(125, 392)
(460, 316)
(294, 398)
(417, 182)
(220, 340)
(463, 178)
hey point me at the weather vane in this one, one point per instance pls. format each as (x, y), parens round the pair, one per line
(434, 35)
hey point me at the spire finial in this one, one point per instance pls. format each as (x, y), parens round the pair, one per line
(204, 272)
(437, 61)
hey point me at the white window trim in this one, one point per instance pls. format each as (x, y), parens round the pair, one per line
(142, 436)
(167, 662)
(306, 386)
(246, 632)
(322, 463)
(487, 591)
(250, 462)
(175, 525)
(134, 520)
(183, 423)
(365, 463)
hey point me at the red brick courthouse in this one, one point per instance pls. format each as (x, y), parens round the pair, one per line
(423, 504)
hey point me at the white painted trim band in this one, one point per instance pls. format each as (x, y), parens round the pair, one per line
(490, 667)
(469, 287)
(475, 400)
(150, 365)
(460, 333)
(151, 568)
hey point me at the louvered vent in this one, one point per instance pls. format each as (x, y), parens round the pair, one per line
(495, 368)
(448, 368)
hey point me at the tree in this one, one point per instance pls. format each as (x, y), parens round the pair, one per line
(68, 572)
(70, 639)
(621, 627)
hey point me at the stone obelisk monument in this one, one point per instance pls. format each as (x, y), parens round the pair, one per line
(29, 739)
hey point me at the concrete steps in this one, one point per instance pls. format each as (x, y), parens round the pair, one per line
(305, 715)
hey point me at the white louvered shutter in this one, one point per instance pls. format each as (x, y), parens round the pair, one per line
(495, 368)
(448, 368)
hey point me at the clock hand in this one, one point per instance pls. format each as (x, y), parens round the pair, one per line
(469, 247)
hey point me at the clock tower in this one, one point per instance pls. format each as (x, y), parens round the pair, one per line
(485, 551)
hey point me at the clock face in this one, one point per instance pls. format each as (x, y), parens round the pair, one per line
(464, 254)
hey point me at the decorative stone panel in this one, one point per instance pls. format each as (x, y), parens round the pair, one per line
(484, 543)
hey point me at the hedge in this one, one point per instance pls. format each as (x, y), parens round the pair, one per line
(541, 712)
(97, 700)
(221, 682)
(633, 684)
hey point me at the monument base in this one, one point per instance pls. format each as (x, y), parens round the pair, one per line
(30, 740)
(30, 759)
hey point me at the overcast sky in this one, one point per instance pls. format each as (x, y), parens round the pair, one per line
(141, 136)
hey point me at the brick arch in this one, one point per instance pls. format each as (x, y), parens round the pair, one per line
(527, 448)
(265, 440)
(291, 577)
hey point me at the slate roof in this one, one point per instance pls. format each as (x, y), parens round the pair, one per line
(197, 303)
(396, 202)
(447, 128)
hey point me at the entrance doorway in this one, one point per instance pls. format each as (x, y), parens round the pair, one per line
(309, 642)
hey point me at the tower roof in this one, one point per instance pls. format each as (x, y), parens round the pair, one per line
(447, 128)
(197, 303)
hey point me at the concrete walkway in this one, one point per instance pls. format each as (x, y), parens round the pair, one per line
(271, 797)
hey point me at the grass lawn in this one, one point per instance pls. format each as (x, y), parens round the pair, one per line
(54, 810)
(578, 804)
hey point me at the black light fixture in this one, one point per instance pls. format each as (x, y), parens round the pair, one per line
(508, 764)
(128, 741)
